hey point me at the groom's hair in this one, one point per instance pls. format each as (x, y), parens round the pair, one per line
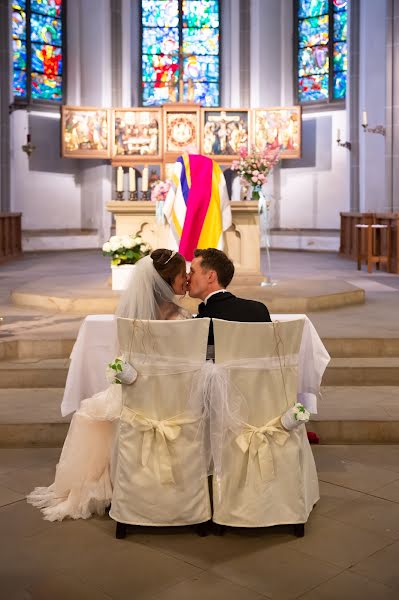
(218, 261)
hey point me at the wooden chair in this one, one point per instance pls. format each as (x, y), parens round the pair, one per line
(370, 245)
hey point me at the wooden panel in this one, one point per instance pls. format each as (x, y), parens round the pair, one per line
(10, 235)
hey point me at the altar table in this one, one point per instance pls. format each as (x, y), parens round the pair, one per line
(96, 346)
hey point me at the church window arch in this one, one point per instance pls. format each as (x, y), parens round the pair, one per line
(321, 54)
(180, 51)
(38, 31)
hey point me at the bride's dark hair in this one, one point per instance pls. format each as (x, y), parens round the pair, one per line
(168, 264)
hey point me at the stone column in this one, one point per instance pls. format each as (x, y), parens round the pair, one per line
(392, 105)
(352, 102)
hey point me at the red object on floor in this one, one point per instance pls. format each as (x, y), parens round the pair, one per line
(313, 437)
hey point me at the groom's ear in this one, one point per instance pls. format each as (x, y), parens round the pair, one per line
(212, 276)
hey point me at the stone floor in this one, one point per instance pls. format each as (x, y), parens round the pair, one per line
(351, 546)
(350, 550)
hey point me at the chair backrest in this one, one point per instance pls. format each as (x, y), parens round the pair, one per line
(263, 359)
(166, 355)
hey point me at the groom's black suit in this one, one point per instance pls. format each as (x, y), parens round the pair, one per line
(224, 305)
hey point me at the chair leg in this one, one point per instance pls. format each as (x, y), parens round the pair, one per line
(121, 529)
(202, 529)
(299, 529)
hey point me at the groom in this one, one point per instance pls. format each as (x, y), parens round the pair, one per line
(210, 273)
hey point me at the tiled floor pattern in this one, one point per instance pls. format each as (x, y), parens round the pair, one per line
(350, 550)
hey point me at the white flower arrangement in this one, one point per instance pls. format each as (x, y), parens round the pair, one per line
(126, 249)
(295, 416)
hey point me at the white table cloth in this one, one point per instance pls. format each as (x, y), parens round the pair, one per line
(96, 346)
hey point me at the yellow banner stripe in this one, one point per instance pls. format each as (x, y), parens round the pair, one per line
(212, 227)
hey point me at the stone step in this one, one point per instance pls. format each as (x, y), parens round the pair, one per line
(357, 415)
(36, 348)
(34, 373)
(362, 372)
(41, 348)
(31, 417)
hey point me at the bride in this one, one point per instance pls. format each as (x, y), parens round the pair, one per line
(83, 479)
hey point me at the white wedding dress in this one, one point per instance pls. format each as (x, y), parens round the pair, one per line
(83, 480)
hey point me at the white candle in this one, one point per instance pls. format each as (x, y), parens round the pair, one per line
(364, 118)
(144, 185)
(132, 180)
(119, 179)
(338, 134)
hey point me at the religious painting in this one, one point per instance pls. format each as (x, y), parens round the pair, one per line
(85, 132)
(181, 130)
(224, 132)
(136, 133)
(278, 128)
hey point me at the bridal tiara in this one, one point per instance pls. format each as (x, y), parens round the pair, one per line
(173, 253)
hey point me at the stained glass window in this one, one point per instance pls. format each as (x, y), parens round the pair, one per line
(180, 51)
(37, 35)
(322, 54)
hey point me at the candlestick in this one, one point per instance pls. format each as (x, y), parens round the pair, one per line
(132, 180)
(119, 179)
(144, 184)
(338, 134)
(364, 118)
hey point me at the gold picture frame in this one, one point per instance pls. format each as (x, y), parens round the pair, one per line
(136, 134)
(181, 128)
(278, 127)
(224, 132)
(85, 132)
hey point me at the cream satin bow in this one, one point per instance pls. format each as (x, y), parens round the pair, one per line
(256, 441)
(160, 433)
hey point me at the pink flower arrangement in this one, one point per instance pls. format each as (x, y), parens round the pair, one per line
(254, 167)
(160, 191)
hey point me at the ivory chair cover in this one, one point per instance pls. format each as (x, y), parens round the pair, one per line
(264, 475)
(161, 469)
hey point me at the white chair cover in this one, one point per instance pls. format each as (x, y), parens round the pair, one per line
(264, 475)
(161, 471)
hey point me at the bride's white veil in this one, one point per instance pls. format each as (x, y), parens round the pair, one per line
(145, 293)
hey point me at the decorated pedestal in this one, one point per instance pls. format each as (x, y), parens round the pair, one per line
(121, 276)
(241, 241)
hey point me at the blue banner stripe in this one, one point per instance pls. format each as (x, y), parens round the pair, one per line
(183, 180)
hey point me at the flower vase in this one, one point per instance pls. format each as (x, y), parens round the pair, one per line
(255, 192)
(121, 275)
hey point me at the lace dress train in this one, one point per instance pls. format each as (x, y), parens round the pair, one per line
(83, 480)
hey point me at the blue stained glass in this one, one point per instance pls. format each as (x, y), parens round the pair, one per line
(340, 85)
(46, 88)
(160, 13)
(19, 54)
(19, 83)
(340, 56)
(313, 88)
(155, 95)
(159, 69)
(313, 31)
(200, 14)
(313, 60)
(46, 30)
(200, 41)
(52, 8)
(164, 38)
(201, 68)
(21, 5)
(312, 8)
(160, 40)
(46, 59)
(19, 25)
(340, 26)
(340, 5)
(206, 94)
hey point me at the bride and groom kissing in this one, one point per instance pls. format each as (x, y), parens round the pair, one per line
(83, 481)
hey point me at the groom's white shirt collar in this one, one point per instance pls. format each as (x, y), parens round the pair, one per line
(212, 294)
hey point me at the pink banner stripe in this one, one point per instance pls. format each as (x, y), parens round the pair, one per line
(201, 168)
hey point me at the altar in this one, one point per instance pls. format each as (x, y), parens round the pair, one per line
(241, 240)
